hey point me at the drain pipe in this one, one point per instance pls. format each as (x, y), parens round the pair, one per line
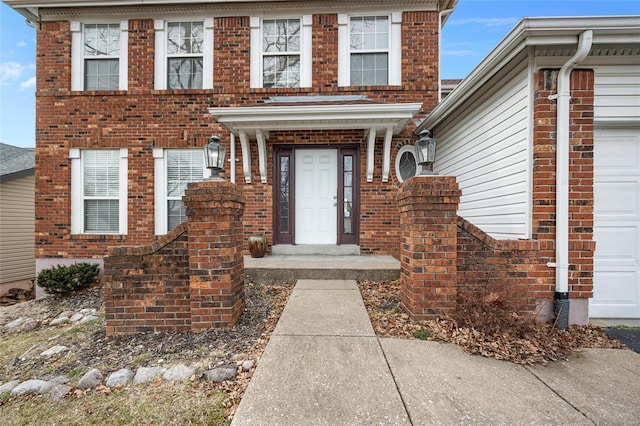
(561, 299)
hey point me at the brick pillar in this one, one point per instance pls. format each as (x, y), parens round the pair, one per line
(428, 249)
(216, 286)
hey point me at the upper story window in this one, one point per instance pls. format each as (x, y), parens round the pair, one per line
(369, 50)
(99, 56)
(281, 52)
(98, 191)
(184, 54)
(369, 43)
(174, 169)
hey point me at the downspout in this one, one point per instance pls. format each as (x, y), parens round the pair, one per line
(441, 14)
(561, 305)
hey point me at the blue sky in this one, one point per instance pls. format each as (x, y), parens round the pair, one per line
(473, 29)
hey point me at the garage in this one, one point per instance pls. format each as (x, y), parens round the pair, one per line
(616, 291)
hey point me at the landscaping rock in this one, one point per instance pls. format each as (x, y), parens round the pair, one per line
(54, 350)
(65, 314)
(88, 318)
(248, 365)
(29, 325)
(14, 324)
(220, 374)
(8, 387)
(58, 321)
(60, 380)
(32, 386)
(90, 380)
(147, 374)
(76, 317)
(119, 377)
(178, 373)
(58, 392)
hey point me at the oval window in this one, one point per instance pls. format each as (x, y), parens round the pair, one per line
(406, 165)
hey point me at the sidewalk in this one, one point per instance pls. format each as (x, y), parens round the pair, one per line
(325, 366)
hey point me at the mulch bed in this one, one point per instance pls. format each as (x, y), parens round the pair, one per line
(487, 327)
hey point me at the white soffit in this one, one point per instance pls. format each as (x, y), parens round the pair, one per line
(315, 117)
(535, 32)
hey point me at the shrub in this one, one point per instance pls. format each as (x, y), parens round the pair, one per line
(62, 280)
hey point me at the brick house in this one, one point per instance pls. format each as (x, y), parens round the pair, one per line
(307, 97)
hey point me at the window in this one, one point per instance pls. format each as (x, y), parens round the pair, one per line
(281, 52)
(369, 50)
(99, 56)
(98, 191)
(184, 54)
(174, 169)
(369, 42)
(406, 163)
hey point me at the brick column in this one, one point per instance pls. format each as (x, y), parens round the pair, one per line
(428, 249)
(216, 287)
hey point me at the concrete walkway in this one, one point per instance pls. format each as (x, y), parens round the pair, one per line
(325, 366)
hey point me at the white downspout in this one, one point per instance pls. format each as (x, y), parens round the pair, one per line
(562, 178)
(442, 14)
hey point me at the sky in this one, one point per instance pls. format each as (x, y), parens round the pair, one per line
(474, 28)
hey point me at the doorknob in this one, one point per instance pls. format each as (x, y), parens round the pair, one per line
(335, 197)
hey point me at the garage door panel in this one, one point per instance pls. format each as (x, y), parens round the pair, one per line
(616, 292)
(618, 297)
(617, 198)
(617, 245)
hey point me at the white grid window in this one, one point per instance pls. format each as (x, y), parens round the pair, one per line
(174, 170)
(98, 191)
(99, 56)
(369, 43)
(185, 55)
(281, 52)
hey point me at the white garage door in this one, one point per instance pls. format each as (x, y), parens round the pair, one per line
(616, 292)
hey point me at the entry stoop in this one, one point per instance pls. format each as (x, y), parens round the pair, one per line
(287, 269)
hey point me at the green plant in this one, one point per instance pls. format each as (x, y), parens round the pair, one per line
(422, 334)
(63, 280)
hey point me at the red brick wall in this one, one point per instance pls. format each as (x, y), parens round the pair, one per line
(142, 118)
(581, 244)
(147, 288)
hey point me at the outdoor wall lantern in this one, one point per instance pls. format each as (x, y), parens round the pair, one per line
(425, 152)
(214, 157)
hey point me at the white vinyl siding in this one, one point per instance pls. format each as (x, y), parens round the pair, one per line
(17, 230)
(486, 148)
(617, 93)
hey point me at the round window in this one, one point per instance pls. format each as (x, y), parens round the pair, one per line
(406, 165)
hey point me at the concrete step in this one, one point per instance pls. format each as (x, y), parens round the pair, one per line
(287, 269)
(315, 249)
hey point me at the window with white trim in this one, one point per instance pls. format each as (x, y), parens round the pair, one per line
(99, 56)
(281, 52)
(184, 54)
(98, 191)
(369, 50)
(174, 169)
(406, 163)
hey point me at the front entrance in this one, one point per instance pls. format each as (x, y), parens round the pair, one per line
(316, 195)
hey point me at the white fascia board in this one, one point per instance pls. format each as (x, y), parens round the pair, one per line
(534, 32)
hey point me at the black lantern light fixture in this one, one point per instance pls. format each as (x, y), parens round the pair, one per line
(425, 152)
(214, 157)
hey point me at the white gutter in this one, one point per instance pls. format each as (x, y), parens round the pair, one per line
(562, 161)
(441, 14)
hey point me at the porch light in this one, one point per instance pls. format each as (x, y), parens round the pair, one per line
(425, 148)
(214, 157)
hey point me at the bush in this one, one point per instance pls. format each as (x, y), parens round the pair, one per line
(62, 280)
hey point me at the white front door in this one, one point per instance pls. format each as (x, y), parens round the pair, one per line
(316, 183)
(616, 289)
